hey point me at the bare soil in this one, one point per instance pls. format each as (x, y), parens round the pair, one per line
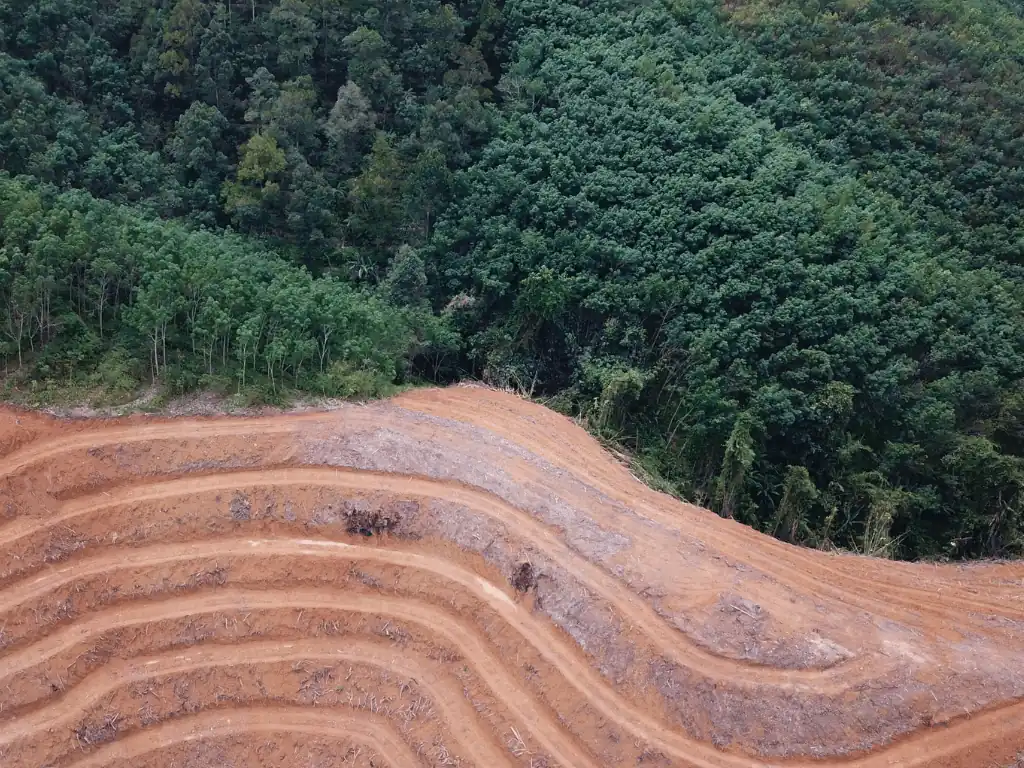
(457, 578)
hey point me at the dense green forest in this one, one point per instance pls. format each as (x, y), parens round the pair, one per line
(773, 248)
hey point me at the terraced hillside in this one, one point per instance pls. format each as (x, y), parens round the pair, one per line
(457, 577)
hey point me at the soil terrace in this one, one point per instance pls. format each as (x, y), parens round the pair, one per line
(457, 577)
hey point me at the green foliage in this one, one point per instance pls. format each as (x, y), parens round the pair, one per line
(798, 496)
(250, 198)
(774, 249)
(619, 389)
(116, 375)
(91, 289)
(257, 115)
(737, 461)
(765, 247)
(376, 200)
(198, 155)
(406, 281)
(921, 98)
(343, 380)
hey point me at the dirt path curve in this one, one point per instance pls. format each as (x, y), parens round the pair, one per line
(459, 717)
(537, 721)
(552, 647)
(459, 634)
(651, 632)
(809, 571)
(670, 642)
(377, 734)
(36, 587)
(806, 571)
(51, 447)
(374, 732)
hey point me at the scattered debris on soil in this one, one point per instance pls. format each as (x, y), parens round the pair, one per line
(456, 578)
(369, 522)
(523, 578)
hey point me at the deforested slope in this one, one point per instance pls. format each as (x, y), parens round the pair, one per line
(457, 577)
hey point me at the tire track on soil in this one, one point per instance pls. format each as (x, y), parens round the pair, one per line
(674, 644)
(178, 429)
(372, 731)
(806, 571)
(539, 722)
(430, 618)
(459, 718)
(788, 564)
(380, 736)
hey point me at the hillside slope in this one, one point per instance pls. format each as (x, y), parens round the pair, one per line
(457, 577)
(773, 247)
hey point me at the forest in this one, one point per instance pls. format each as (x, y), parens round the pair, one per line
(771, 250)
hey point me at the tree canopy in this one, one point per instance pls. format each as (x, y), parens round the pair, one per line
(725, 248)
(773, 248)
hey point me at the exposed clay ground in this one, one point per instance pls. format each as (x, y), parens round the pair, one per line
(457, 577)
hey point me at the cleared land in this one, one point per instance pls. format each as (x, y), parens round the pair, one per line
(457, 577)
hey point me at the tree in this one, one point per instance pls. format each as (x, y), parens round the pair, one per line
(264, 93)
(736, 464)
(376, 198)
(291, 116)
(369, 67)
(181, 37)
(311, 211)
(251, 199)
(197, 151)
(102, 278)
(798, 496)
(156, 304)
(406, 280)
(429, 188)
(296, 33)
(350, 115)
(348, 127)
(215, 69)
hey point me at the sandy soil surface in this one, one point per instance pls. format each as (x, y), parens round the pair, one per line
(457, 578)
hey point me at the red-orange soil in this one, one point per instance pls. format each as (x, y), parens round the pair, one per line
(457, 578)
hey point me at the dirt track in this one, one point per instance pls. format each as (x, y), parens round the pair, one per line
(457, 577)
